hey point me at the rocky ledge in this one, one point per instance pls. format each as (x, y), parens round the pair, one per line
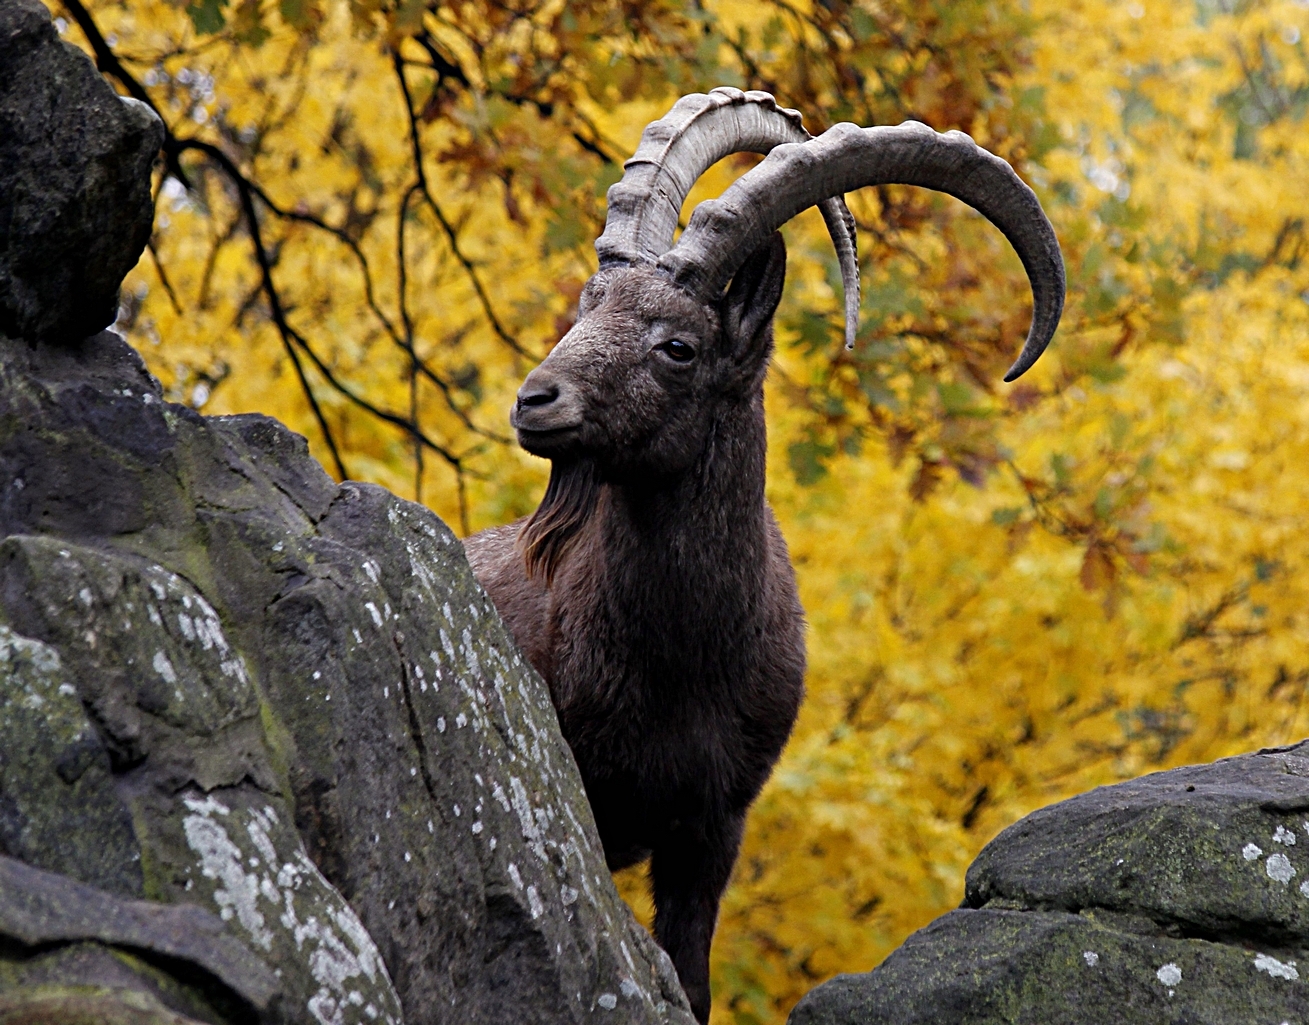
(1179, 898)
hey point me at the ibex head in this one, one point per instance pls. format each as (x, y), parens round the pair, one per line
(634, 385)
(662, 341)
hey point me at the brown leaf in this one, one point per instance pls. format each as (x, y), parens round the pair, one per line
(1098, 569)
(926, 480)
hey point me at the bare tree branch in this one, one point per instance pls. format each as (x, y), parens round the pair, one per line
(294, 343)
(450, 233)
(370, 298)
(163, 277)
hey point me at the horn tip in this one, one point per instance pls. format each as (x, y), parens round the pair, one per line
(1026, 359)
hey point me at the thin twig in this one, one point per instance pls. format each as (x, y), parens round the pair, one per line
(1252, 80)
(105, 58)
(163, 277)
(402, 271)
(450, 233)
(371, 300)
(248, 191)
(395, 419)
(461, 488)
(270, 290)
(591, 147)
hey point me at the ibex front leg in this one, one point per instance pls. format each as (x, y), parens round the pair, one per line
(690, 870)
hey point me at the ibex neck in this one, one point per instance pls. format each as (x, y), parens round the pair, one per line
(714, 511)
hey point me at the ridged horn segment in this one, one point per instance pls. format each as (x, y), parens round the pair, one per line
(676, 150)
(725, 231)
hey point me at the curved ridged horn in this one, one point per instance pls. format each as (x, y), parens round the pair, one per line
(677, 149)
(725, 231)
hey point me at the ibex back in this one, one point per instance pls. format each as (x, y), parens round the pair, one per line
(652, 588)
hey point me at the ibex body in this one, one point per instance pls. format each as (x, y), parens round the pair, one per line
(668, 629)
(652, 588)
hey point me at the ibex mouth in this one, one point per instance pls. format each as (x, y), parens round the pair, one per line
(549, 442)
(546, 420)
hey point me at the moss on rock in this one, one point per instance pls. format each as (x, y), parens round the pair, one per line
(1181, 897)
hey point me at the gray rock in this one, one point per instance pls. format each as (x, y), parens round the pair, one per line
(94, 984)
(1179, 897)
(1219, 851)
(39, 909)
(978, 967)
(225, 680)
(75, 204)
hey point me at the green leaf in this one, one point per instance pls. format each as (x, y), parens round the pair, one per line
(807, 460)
(1061, 468)
(862, 25)
(206, 15)
(296, 13)
(561, 234)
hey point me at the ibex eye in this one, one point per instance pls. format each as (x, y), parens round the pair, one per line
(679, 351)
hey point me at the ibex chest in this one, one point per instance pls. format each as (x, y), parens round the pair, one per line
(691, 703)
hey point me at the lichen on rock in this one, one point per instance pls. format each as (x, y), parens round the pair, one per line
(57, 804)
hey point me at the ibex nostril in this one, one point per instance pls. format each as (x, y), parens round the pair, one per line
(537, 395)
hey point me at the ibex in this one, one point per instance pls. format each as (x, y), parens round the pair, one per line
(652, 588)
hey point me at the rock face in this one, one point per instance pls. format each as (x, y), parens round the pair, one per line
(1180, 897)
(75, 205)
(266, 751)
(79, 922)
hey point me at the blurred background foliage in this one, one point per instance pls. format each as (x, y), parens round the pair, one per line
(374, 217)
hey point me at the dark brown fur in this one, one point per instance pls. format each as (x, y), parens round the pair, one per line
(652, 588)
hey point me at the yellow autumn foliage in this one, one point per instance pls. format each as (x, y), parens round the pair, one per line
(1014, 592)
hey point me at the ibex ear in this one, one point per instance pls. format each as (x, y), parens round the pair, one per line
(752, 299)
